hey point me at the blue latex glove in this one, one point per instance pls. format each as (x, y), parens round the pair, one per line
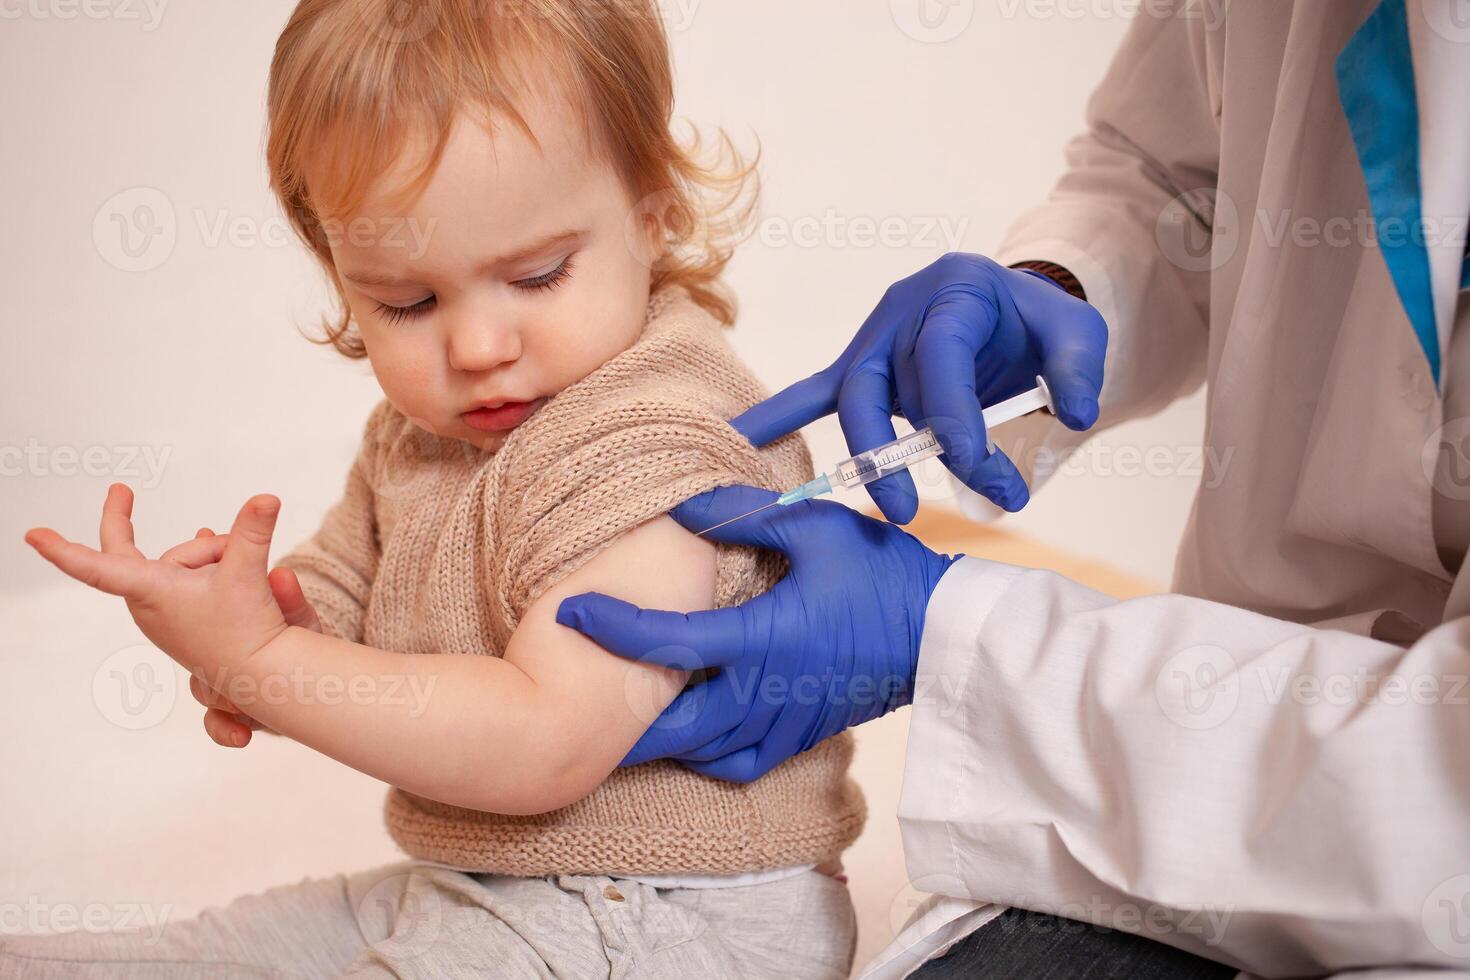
(833, 644)
(960, 334)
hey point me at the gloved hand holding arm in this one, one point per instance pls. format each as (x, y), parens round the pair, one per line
(832, 645)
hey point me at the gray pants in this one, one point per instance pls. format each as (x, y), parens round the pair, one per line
(414, 920)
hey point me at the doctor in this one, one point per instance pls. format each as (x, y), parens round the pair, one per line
(1270, 767)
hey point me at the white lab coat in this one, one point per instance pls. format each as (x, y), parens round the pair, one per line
(1215, 767)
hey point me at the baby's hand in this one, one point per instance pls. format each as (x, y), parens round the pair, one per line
(206, 603)
(224, 721)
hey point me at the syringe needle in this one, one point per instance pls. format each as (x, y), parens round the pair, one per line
(739, 518)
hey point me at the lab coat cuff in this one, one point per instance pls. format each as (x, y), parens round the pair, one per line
(1089, 270)
(940, 763)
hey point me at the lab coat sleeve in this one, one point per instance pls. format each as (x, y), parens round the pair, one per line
(1286, 799)
(1131, 218)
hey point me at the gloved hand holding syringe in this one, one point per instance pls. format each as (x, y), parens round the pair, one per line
(903, 452)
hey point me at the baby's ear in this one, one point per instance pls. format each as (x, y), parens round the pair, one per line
(652, 221)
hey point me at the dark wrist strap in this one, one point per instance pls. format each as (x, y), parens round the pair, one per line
(1058, 274)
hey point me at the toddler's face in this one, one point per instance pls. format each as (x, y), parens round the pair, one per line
(511, 277)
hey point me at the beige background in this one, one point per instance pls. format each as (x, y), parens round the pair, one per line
(173, 362)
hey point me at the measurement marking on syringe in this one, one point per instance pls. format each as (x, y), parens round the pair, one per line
(893, 455)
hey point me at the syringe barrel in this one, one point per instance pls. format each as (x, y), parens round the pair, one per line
(916, 447)
(877, 463)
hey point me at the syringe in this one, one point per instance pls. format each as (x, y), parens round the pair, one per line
(901, 453)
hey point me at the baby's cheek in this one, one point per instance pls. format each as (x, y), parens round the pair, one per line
(558, 348)
(409, 379)
(585, 341)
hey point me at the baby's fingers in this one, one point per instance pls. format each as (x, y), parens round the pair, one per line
(250, 538)
(215, 701)
(124, 575)
(295, 608)
(197, 552)
(226, 729)
(116, 531)
(209, 697)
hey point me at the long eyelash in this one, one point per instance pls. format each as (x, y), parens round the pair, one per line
(549, 280)
(397, 314)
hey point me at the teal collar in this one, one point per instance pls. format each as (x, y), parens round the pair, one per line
(1375, 80)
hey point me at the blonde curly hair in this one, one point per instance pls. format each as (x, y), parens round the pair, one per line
(352, 81)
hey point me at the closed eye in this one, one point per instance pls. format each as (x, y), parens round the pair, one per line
(397, 314)
(547, 280)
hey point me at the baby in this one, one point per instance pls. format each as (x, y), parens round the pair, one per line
(525, 255)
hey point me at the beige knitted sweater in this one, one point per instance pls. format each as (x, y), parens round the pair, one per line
(438, 547)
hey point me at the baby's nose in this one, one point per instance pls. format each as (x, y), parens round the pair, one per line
(478, 345)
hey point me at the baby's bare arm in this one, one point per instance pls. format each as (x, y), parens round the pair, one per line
(602, 704)
(536, 730)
